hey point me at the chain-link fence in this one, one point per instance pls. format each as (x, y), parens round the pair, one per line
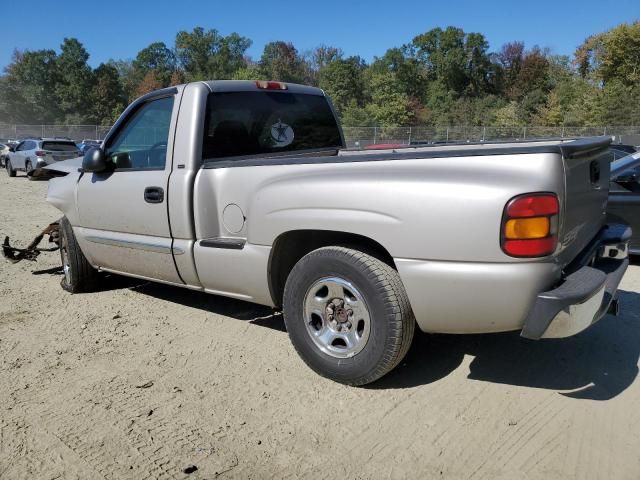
(74, 132)
(361, 137)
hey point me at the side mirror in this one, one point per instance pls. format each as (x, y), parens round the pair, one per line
(94, 160)
(12, 149)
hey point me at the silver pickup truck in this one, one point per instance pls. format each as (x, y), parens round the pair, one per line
(244, 189)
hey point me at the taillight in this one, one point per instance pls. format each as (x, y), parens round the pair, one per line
(530, 225)
(271, 85)
(40, 153)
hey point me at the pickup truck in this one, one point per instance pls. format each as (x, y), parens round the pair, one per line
(244, 189)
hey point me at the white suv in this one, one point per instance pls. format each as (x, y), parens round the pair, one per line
(35, 153)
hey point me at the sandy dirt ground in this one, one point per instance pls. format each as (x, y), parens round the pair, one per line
(142, 381)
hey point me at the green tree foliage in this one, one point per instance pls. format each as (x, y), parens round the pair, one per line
(442, 77)
(343, 81)
(281, 61)
(107, 96)
(389, 106)
(208, 55)
(156, 58)
(74, 80)
(28, 88)
(612, 56)
(460, 61)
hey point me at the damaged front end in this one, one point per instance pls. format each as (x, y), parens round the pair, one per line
(15, 255)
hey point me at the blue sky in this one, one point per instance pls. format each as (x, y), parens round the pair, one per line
(119, 29)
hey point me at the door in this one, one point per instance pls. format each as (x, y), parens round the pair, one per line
(123, 219)
(17, 158)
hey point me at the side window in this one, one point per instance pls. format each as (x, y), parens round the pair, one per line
(21, 147)
(141, 142)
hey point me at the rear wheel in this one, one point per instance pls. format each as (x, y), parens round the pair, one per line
(10, 171)
(28, 168)
(79, 275)
(347, 315)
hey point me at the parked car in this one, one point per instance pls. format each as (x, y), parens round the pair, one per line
(5, 148)
(87, 144)
(624, 196)
(356, 247)
(35, 153)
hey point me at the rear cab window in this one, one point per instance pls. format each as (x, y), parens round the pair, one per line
(59, 146)
(256, 123)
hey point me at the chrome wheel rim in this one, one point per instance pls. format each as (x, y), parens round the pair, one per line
(66, 267)
(337, 317)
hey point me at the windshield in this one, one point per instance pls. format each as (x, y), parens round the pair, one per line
(623, 165)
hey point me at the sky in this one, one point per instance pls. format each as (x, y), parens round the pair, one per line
(119, 29)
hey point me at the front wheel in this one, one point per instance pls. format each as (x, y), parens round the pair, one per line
(348, 315)
(79, 275)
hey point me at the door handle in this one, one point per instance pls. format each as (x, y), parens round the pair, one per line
(153, 195)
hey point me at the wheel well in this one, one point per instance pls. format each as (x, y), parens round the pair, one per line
(290, 247)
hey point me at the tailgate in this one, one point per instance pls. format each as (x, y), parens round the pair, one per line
(586, 165)
(58, 151)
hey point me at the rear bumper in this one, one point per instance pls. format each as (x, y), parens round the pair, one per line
(586, 293)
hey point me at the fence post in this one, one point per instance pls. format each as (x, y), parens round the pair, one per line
(375, 135)
(96, 137)
(484, 133)
(447, 134)
(524, 133)
(409, 136)
(562, 134)
(43, 131)
(605, 131)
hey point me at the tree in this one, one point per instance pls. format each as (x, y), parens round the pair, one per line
(612, 55)
(509, 59)
(458, 60)
(107, 97)
(389, 106)
(156, 58)
(126, 74)
(74, 81)
(207, 55)
(280, 61)
(148, 84)
(28, 88)
(343, 81)
(410, 74)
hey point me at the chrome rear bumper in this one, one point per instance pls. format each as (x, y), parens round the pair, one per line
(587, 293)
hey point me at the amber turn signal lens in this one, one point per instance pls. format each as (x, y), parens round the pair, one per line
(527, 228)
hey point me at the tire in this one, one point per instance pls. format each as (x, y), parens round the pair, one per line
(371, 290)
(28, 168)
(79, 275)
(10, 171)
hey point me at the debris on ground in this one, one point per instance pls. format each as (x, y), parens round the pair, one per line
(15, 255)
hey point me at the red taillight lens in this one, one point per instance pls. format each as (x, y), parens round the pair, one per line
(271, 85)
(530, 224)
(40, 153)
(533, 206)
